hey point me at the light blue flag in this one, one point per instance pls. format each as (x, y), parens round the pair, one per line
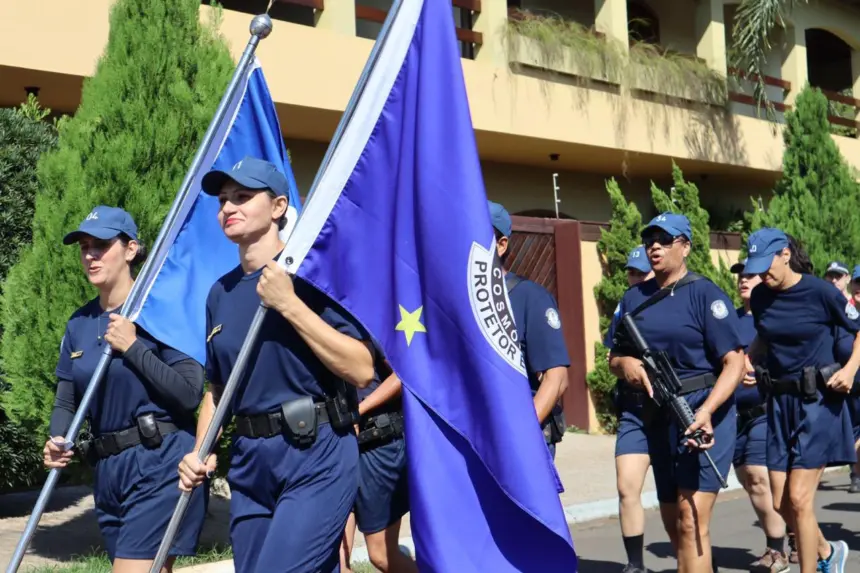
(173, 305)
(398, 232)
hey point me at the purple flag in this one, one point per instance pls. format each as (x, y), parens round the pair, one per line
(398, 232)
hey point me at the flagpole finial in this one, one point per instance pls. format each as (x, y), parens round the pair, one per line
(261, 26)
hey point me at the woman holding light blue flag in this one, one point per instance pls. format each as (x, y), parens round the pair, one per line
(143, 418)
(294, 462)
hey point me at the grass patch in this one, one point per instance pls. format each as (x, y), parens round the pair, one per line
(97, 562)
(593, 57)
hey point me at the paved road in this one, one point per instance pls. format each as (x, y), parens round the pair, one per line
(734, 531)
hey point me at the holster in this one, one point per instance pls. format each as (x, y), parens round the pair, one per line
(380, 429)
(150, 436)
(343, 409)
(300, 420)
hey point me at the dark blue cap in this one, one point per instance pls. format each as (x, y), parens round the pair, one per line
(762, 246)
(738, 267)
(104, 223)
(638, 259)
(674, 224)
(856, 274)
(836, 267)
(250, 173)
(501, 219)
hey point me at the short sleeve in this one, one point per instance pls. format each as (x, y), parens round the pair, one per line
(64, 364)
(613, 325)
(842, 313)
(213, 373)
(338, 319)
(545, 347)
(844, 345)
(721, 325)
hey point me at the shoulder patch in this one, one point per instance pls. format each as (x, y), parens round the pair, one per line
(215, 331)
(77, 354)
(552, 318)
(851, 311)
(617, 311)
(719, 309)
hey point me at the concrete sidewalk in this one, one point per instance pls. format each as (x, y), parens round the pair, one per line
(585, 463)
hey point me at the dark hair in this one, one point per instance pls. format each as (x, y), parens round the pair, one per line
(282, 222)
(140, 257)
(499, 236)
(799, 261)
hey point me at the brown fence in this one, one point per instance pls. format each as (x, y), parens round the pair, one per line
(547, 251)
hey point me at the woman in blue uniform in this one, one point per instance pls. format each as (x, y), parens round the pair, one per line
(750, 458)
(693, 324)
(142, 416)
(640, 434)
(383, 491)
(809, 428)
(294, 461)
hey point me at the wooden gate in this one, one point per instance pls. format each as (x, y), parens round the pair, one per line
(547, 251)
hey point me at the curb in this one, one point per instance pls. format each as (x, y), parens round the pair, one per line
(574, 514)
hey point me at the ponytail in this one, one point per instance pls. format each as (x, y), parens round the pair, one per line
(799, 261)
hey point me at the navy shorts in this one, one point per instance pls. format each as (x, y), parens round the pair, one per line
(135, 493)
(751, 447)
(383, 489)
(809, 435)
(854, 412)
(634, 437)
(289, 506)
(690, 470)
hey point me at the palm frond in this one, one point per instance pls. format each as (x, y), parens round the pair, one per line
(755, 22)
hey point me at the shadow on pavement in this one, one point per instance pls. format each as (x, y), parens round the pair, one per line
(842, 506)
(21, 504)
(597, 566)
(836, 531)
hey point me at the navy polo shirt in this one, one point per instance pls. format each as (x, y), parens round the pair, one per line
(122, 396)
(538, 328)
(798, 324)
(282, 366)
(696, 325)
(747, 396)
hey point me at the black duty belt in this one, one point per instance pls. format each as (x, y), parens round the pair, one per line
(747, 415)
(700, 382)
(271, 424)
(381, 429)
(111, 444)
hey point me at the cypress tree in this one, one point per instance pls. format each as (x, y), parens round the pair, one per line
(141, 118)
(613, 247)
(684, 199)
(24, 136)
(817, 199)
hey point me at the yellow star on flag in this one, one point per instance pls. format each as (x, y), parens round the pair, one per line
(410, 323)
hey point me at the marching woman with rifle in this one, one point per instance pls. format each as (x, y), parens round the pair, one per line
(690, 319)
(142, 417)
(796, 317)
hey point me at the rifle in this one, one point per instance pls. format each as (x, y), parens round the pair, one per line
(667, 388)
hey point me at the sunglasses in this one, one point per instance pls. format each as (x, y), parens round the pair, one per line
(661, 237)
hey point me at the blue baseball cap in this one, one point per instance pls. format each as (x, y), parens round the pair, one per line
(856, 274)
(836, 267)
(104, 223)
(501, 219)
(762, 246)
(674, 224)
(638, 260)
(738, 267)
(250, 173)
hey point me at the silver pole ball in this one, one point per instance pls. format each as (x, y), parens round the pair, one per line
(261, 26)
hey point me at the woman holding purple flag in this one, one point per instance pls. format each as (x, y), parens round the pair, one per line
(294, 461)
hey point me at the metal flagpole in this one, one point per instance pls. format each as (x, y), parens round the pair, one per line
(261, 26)
(253, 331)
